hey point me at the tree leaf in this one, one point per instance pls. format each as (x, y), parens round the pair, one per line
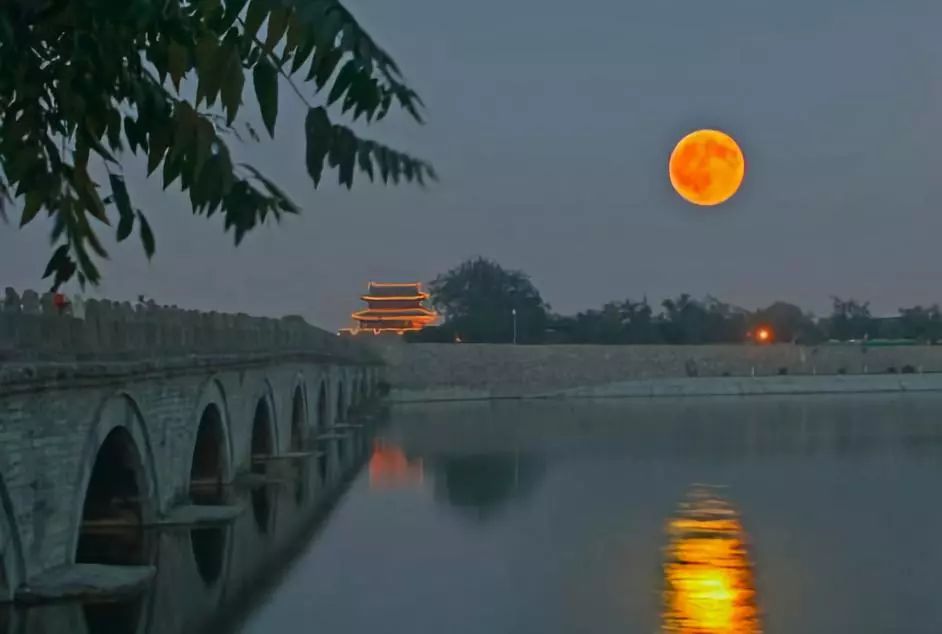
(4, 201)
(252, 133)
(159, 141)
(323, 65)
(233, 83)
(123, 202)
(131, 132)
(208, 53)
(88, 195)
(256, 14)
(296, 32)
(96, 145)
(59, 257)
(277, 23)
(382, 158)
(363, 158)
(328, 27)
(342, 82)
(205, 138)
(147, 236)
(178, 62)
(318, 131)
(172, 167)
(302, 55)
(345, 144)
(34, 202)
(125, 226)
(265, 78)
(233, 9)
(114, 129)
(284, 202)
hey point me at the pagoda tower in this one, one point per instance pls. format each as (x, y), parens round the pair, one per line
(394, 308)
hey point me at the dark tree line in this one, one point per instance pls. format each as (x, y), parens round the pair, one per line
(478, 298)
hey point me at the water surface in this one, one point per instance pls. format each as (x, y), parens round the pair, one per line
(815, 515)
(773, 514)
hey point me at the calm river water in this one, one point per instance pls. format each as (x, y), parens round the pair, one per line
(780, 515)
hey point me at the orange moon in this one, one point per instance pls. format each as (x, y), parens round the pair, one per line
(707, 167)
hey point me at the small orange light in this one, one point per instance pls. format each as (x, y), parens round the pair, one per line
(763, 335)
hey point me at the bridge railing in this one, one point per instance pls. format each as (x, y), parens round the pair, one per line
(32, 327)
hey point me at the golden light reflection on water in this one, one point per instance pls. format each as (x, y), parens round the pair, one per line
(709, 581)
(390, 469)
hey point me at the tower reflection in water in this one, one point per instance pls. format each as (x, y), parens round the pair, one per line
(709, 580)
(389, 468)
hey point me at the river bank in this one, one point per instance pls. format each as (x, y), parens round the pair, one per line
(437, 372)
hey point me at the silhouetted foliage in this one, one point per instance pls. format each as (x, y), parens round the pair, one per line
(83, 80)
(689, 321)
(483, 484)
(617, 322)
(922, 324)
(478, 297)
(475, 298)
(444, 333)
(850, 320)
(789, 323)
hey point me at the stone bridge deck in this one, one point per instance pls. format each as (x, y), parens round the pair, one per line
(117, 416)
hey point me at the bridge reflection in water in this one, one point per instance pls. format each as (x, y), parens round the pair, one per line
(208, 577)
(710, 587)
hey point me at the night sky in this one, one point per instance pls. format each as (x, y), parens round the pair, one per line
(551, 123)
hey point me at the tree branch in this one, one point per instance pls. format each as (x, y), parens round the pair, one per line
(279, 67)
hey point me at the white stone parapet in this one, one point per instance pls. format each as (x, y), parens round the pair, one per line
(33, 328)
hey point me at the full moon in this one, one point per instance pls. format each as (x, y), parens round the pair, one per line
(707, 167)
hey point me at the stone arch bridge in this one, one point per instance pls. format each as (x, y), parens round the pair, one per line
(126, 416)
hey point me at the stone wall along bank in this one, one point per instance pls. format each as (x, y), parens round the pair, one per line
(460, 370)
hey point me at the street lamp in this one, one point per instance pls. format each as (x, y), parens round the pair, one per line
(513, 311)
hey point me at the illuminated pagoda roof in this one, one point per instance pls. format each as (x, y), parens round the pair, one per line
(378, 291)
(393, 308)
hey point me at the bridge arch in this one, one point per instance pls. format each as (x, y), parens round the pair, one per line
(322, 414)
(264, 429)
(354, 390)
(263, 444)
(261, 407)
(364, 384)
(321, 422)
(211, 547)
(118, 485)
(211, 453)
(340, 412)
(299, 415)
(12, 565)
(298, 439)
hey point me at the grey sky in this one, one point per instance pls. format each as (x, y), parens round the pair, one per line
(551, 122)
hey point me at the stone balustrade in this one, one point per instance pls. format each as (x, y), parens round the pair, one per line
(32, 328)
